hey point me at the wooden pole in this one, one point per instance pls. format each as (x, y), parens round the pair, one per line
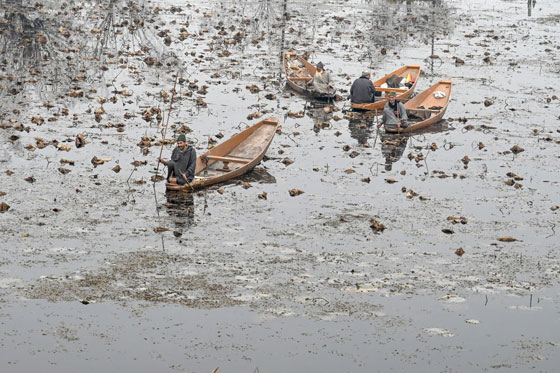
(167, 123)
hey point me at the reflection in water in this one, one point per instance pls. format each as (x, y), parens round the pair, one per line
(321, 113)
(258, 175)
(180, 205)
(362, 129)
(392, 148)
(530, 4)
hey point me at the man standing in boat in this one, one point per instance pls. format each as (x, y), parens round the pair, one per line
(321, 82)
(394, 113)
(181, 166)
(362, 90)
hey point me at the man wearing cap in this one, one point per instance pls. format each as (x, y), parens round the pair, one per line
(182, 164)
(362, 90)
(394, 113)
(321, 82)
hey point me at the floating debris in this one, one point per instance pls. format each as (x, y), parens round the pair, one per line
(507, 239)
(4, 207)
(295, 192)
(376, 225)
(459, 251)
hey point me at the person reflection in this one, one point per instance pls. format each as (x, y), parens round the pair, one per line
(361, 129)
(392, 148)
(321, 114)
(180, 206)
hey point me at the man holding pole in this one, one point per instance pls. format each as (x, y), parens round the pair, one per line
(181, 166)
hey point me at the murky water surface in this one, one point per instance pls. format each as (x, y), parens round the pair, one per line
(283, 283)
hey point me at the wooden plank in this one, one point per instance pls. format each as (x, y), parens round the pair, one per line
(391, 89)
(228, 159)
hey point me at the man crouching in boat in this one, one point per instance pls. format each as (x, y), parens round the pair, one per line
(394, 113)
(321, 82)
(180, 169)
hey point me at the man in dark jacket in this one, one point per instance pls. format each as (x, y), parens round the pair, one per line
(182, 163)
(362, 90)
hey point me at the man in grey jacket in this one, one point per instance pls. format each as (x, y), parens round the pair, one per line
(394, 113)
(182, 164)
(362, 90)
(321, 82)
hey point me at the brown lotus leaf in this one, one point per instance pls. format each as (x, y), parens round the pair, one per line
(346, 148)
(77, 93)
(9, 172)
(30, 179)
(466, 160)
(447, 231)
(295, 114)
(37, 120)
(481, 145)
(366, 179)
(139, 182)
(411, 194)
(156, 178)
(518, 186)
(220, 190)
(67, 161)
(254, 115)
(295, 192)
(349, 171)
(63, 171)
(4, 207)
(99, 161)
(376, 225)
(80, 141)
(139, 163)
(246, 185)
(554, 208)
(507, 239)
(66, 147)
(30, 147)
(287, 161)
(354, 154)
(253, 88)
(510, 182)
(488, 102)
(160, 229)
(459, 251)
(2, 194)
(263, 195)
(517, 149)
(116, 169)
(459, 61)
(390, 180)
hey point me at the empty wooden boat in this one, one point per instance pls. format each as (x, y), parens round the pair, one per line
(427, 107)
(299, 72)
(233, 157)
(408, 71)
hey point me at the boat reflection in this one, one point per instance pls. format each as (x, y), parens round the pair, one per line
(180, 206)
(392, 148)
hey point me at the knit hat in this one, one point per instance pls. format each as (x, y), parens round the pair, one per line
(365, 73)
(181, 138)
(320, 65)
(392, 94)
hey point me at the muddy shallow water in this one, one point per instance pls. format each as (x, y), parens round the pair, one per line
(283, 283)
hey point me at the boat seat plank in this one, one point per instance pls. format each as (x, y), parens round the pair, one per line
(391, 89)
(233, 159)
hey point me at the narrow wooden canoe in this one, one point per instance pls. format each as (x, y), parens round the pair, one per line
(402, 94)
(233, 157)
(298, 73)
(426, 108)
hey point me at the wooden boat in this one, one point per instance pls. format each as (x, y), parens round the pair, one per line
(233, 157)
(402, 93)
(299, 72)
(426, 108)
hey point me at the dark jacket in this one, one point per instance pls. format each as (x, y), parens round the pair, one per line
(362, 91)
(184, 162)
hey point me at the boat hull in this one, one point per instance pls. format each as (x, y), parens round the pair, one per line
(232, 158)
(420, 105)
(298, 77)
(402, 95)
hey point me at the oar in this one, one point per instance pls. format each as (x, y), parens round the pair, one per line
(167, 123)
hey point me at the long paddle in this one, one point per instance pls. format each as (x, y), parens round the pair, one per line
(167, 123)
